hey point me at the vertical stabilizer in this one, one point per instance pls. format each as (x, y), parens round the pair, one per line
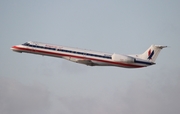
(151, 53)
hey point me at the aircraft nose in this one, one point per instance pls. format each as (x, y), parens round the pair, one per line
(16, 48)
(13, 47)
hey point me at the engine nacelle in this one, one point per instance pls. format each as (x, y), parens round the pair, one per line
(122, 58)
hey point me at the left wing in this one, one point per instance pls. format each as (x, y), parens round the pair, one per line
(82, 61)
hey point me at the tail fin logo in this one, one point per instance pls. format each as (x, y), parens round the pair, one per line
(150, 54)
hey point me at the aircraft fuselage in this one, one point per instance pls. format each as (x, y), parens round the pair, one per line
(87, 57)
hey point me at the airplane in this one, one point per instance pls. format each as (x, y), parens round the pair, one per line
(92, 58)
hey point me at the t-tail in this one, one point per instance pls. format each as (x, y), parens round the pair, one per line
(151, 53)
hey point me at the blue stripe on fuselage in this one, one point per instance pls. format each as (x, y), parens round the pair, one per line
(143, 62)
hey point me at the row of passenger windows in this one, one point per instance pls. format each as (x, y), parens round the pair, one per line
(62, 50)
(75, 52)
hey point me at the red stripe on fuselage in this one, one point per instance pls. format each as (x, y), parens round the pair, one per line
(43, 52)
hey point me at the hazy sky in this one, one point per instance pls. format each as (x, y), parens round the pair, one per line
(33, 84)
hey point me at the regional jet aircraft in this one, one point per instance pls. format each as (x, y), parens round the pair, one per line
(92, 58)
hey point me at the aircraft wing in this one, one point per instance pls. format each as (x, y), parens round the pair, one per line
(82, 61)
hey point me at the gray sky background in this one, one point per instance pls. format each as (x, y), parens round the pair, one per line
(33, 84)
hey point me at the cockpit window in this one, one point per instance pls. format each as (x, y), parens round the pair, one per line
(26, 44)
